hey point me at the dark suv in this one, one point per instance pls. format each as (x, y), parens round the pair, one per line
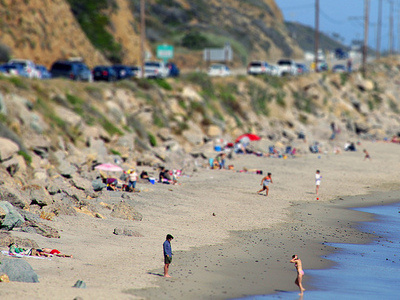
(75, 70)
(106, 73)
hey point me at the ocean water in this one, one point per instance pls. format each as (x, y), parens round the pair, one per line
(360, 272)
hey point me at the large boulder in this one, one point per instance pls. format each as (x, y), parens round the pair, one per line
(6, 238)
(125, 211)
(37, 195)
(7, 149)
(18, 270)
(40, 228)
(11, 217)
(14, 196)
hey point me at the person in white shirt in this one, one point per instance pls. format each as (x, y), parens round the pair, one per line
(317, 181)
(132, 180)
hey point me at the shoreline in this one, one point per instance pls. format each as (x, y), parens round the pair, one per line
(217, 208)
(201, 269)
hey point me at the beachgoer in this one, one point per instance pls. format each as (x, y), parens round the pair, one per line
(132, 180)
(317, 181)
(367, 156)
(167, 254)
(265, 184)
(144, 175)
(300, 272)
(222, 162)
(48, 252)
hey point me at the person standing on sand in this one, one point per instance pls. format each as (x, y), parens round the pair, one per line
(317, 181)
(300, 272)
(265, 184)
(167, 254)
(367, 156)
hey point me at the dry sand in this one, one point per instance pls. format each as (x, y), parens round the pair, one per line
(243, 249)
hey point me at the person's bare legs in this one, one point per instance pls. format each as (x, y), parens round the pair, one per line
(261, 190)
(166, 268)
(317, 189)
(267, 188)
(298, 281)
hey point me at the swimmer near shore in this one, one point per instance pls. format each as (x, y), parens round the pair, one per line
(300, 273)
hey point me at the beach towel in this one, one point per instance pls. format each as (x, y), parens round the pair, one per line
(6, 253)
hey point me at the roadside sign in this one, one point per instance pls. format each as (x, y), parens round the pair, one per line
(165, 52)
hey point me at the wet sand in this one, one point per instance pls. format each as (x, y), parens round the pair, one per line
(257, 262)
(229, 241)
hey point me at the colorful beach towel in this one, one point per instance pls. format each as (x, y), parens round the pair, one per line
(6, 253)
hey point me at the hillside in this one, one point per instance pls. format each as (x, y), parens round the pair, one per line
(109, 30)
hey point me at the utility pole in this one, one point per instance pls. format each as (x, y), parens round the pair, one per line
(365, 47)
(391, 29)
(379, 29)
(316, 41)
(142, 35)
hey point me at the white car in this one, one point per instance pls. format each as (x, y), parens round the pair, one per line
(287, 67)
(219, 70)
(155, 69)
(28, 65)
(257, 68)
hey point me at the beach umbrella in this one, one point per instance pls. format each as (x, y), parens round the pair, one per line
(109, 168)
(248, 137)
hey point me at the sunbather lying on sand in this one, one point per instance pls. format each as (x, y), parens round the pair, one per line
(48, 252)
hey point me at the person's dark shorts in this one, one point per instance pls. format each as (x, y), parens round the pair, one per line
(167, 259)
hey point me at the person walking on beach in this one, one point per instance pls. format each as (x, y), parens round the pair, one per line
(167, 254)
(265, 184)
(317, 181)
(300, 272)
(367, 156)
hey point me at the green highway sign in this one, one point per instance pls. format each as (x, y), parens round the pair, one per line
(165, 52)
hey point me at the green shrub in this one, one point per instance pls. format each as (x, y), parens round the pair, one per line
(194, 40)
(280, 99)
(163, 84)
(152, 139)
(5, 53)
(26, 156)
(203, 80)
(343, 78)
(157, 119)
(110, 127)
(371, 105)
(301, 102)
(115, 152)
(393, 106)
(93, 21)
(259, 99)
(18, 82)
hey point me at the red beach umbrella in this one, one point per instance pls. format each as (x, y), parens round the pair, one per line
(250, 136)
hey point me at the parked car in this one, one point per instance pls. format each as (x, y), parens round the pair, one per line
(339, 69)
(136, 71)
(341, 54)
(173, 70)
(273, 70)
(43, 72)
(322, 66)
(258, 68)
(106, 73)
(16, 70)
(28, 65)
(287, 67)
(75, 70)
(219, 70)
(155, 69)
(301, 69)
(122, 71)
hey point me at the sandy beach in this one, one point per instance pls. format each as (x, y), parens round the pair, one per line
(229, 241)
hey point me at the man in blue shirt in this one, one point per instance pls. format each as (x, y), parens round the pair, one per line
(167, 254)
